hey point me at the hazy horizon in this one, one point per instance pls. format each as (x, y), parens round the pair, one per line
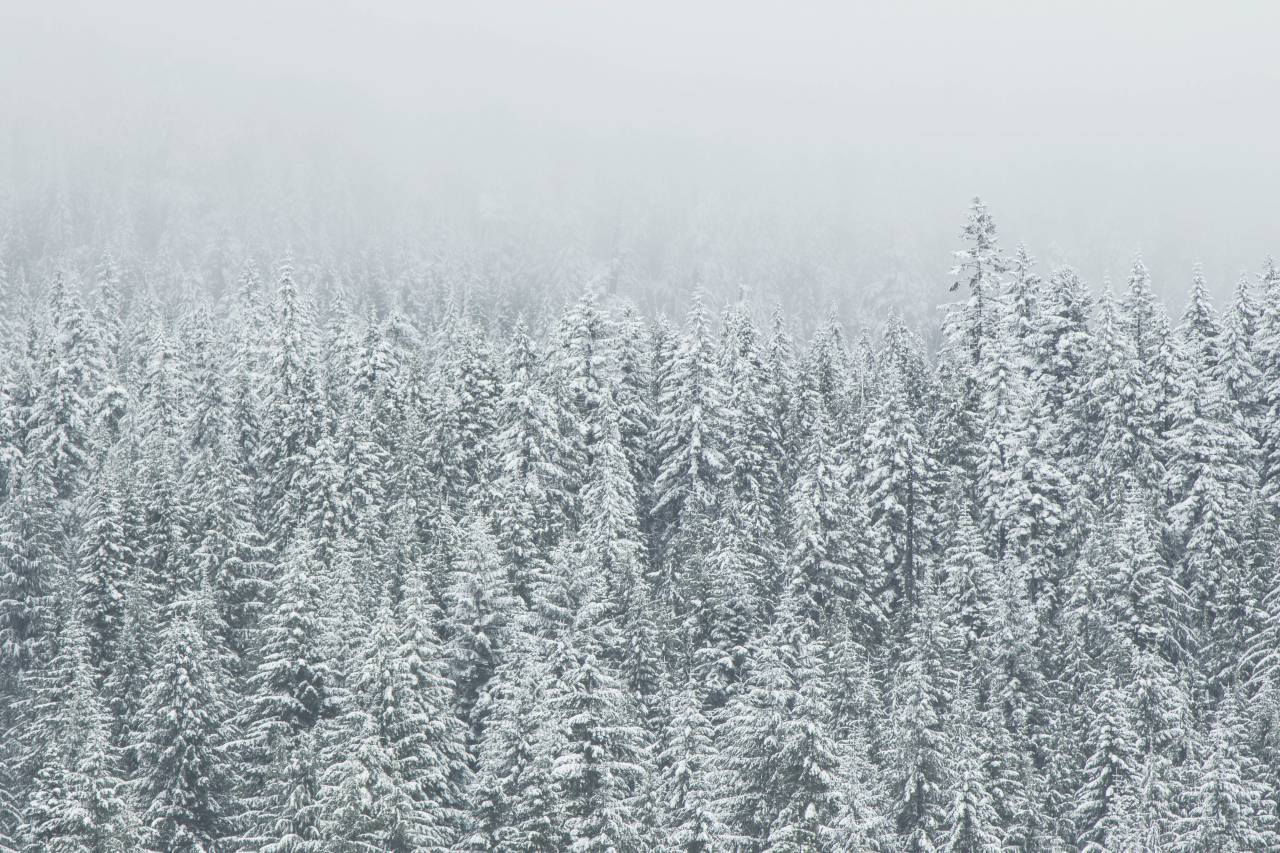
(853, 138)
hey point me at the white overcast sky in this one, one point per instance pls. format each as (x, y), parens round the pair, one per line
(1092, 128)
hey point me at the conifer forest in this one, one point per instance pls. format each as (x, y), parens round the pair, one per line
(339, 558)
(679, 426)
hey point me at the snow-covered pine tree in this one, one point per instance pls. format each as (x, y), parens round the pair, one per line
(105, 559)
(899, 471)
(633, 393)
(970, 587)
(228, 555)
(514, 802)
(31, 561)
(1122, 416)
(582, 368)
(184, 783)
(690, 440)
(980, 268)
(1023, 298)
(1229, 805)
(753, 449)
(806, 763)
(602, 769)
(71, 375)
(916, 763)
(726, 619)
(972, 824)
(691, 820)
(1109, 773)
(1211, 477)
(293, 414)
(110, 403)
(1239, 369)
(1058, 397)
(1267, 346)
(77, 798)
(426, 735)
(466, 419)
(378, 756)
(479, 611)
(287, 695)
(535, 486)
(829, 565)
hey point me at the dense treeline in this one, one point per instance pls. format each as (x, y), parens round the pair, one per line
(282, 572)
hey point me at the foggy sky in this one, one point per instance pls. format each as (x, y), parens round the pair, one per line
(1092, 129)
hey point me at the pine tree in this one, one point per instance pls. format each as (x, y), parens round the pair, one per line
(1023, 299)
(286, 813)
(612, 539)
(228, 553)
(687, 763)
(582, 368)
(611, 530)
(917, 759)
(972, 823)
(633, 394)
(827, 558)
(362, 448)
(1212, 476)
(726, 618)
(467, 420)
(1267, 345)
(1141, 313)
(288, 695)
(1023, 495)
(78, 798)
(602, 766)
(970, 587)
(292, 410)
(18, 383)
(1239, 370)
(104, 561)
(535, 487)
(826, 376)
(374, 790)
(1109, 771)
(807, 760)
(111, 401)
(71, 371)
(1122, 410)
(779, 759)
(690, 441)
(184, 785)
(480, 605)
(514, 802)
(30, 558)
(1060, 365)
(753, 448)
(980, 268)
(209, 406)
(127, 681)
(1229, 806)
(1146, 601)
(1145, 820)
(899, 472)
(1013, 715)
(164, 521)
(425, 734)
(779, 360)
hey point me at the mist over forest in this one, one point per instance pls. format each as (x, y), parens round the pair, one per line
(667, 427)
(817, 158)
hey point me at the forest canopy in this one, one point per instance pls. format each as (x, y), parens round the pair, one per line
(308, 558)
